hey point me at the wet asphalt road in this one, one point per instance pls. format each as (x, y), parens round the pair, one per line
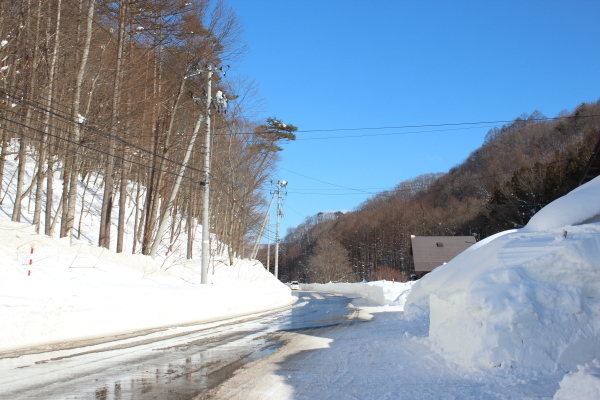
(170, 364)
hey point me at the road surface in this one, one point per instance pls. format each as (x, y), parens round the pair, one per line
(176, 363)
(325, 347)
(388, 357)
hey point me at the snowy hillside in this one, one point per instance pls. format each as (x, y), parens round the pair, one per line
(527, 298)
(52, 290)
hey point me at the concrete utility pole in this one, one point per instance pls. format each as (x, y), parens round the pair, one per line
(262, 229)
(206, 194)
(269, 244)
(280, 184)
(209, 70)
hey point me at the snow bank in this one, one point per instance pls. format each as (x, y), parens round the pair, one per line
(524, 298)
(582, 385)
(580, 206)
(380, 292)
(81, 291)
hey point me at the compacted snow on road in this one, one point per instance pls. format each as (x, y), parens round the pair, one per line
(387, 357)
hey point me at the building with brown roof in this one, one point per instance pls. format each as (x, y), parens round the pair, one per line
(430, 252)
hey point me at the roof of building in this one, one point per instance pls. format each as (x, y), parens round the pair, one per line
(432, 251)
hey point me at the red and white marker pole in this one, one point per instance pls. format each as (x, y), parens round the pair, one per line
(30, 259)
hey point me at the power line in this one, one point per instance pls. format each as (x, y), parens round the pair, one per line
(402, 187)
(130, 161)
(457, 127)
(392, 133)
(57, 113)
(228, 125)
(446, 124)
(468, 125)
(241, 208)
(53, 111)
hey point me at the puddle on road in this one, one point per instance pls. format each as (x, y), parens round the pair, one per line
(208, 368)
(180, 380)
(299, 328)
(171, 366)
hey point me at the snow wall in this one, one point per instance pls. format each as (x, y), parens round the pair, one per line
(521, 298)
(381, 292)
(82, 291)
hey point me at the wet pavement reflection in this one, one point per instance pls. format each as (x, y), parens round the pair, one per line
(172, 367)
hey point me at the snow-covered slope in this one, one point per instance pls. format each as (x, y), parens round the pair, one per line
(522, 298)
(80, 291)
(52, 290)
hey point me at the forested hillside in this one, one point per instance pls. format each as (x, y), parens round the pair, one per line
(520, 167)
(111, 93)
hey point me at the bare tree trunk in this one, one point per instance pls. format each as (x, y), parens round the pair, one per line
(47, 118)
(69, 221)
(53, 224)
(2, 162)
(16, 215)
(152, 197)
(168, 210)
(174, 214)
(190, 227)
(136, 220)
(122, 209)
(85, 189)
(107, 200)
(66, 175)
(22, 154)
(151, 205)
(49, 198)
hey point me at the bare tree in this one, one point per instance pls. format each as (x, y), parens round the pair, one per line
(69, 221)
(329, 262)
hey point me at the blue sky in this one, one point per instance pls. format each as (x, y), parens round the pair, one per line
(333, 64)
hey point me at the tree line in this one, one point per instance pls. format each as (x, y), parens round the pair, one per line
(521, 167)
(100, 93)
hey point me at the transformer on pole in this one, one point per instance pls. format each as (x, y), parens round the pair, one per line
(220, 104)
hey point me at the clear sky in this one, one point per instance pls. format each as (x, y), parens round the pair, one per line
(345, 64)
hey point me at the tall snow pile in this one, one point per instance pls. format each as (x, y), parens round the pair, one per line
(382, 293)
(522, 298)
(51, 291)
(582, 385)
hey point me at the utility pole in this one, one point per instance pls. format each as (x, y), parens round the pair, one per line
(262, 229)
(280, 184)
(269, 244)
(206, 195)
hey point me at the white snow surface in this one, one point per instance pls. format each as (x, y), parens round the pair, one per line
(380, 293)
(78, 290)
(581, 205)
(521, 299)
(82, 291)
(581, 385)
